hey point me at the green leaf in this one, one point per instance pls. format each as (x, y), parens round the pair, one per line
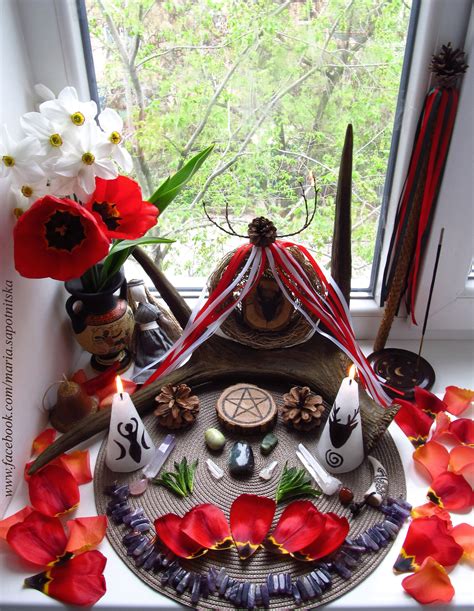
(293, 483)
(172, 186)
(122, 244)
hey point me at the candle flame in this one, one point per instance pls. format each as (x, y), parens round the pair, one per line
(118, 382)
(352, 372)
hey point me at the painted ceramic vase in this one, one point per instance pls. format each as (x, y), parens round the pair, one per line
(102, 322)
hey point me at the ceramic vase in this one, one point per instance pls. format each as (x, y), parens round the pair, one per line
(102, 322)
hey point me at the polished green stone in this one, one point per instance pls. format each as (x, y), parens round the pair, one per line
(241, 460)
(269, 443)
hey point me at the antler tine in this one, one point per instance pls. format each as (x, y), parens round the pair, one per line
(227, 218)
(232, 233)
(309, 219)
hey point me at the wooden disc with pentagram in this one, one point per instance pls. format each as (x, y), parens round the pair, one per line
(246, 408)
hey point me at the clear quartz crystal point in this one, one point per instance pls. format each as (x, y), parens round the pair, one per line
(215, 470)
(267, 472)
(161, 454)
(329, 484)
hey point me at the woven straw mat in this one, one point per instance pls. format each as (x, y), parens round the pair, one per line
(157, 501)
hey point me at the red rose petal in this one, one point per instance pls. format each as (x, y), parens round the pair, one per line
(15, 518)
(458, 399)
(463, 534)
(42, 441)
(413, 421)
(430, 584)
(78, 464)
(38, 539)
(57, 238)
(463, 430)
(428, 402)
(250, 519)
(299, 525)
(85, 533)
(335, 530)
(461, 460)
(432, 458)
(53, 490)
(119, 204)
(427, 537)
(451, 491)
(80, 581)
(168, 529)
(207, 525)
(430, 509)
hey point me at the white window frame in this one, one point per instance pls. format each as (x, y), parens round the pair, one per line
(57, 60)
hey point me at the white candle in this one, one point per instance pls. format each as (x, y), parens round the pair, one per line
(129, 446)
(341, 448)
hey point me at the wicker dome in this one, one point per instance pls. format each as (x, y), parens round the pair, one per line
(234, 327)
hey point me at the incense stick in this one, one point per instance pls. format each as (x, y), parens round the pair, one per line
(430, 295)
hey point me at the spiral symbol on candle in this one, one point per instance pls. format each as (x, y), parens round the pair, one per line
(333, 459)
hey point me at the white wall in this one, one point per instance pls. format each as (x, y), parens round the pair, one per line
(41, 344)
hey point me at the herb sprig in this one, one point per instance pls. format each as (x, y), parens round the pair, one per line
(181, 482)
(294, 482)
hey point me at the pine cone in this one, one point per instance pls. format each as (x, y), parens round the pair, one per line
(176, 406)
(302, 410)
(262, 232)
(448, 65)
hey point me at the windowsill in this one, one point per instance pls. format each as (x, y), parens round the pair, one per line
(453, 363)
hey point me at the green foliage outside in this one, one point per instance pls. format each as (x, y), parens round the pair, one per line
(273, 84)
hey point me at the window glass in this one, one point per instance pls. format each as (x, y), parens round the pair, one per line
(274, 85)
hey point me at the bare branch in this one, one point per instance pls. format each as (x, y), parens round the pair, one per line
(213, 100)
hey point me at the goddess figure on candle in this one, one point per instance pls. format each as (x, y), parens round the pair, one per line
(129, 446)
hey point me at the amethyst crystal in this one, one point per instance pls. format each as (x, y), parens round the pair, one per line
(222, 584)
(317, 586)
(281, 584)
(196, 590)
(251, 597)
(343, 571)
(265, 596)
(302, 589)
(296, 594)
(183, 582)
(288, 584)
(204, 586)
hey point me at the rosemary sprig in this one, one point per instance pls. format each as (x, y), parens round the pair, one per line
(181, 482)
(294, 482)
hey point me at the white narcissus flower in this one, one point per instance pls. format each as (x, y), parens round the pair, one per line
(112, 124)
(67, 111)
(19, 159)
(36, 125)
(44, 92)
(27, 193)
(85, 157)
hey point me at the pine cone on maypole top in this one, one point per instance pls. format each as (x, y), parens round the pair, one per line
(176, 407)
(302, 409)
(448, 65)
(261, 232)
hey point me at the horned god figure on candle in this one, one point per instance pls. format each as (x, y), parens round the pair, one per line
(129, 446)
(341, 447)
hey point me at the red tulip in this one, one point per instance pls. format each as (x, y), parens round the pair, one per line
(58, 238)
(119, 204)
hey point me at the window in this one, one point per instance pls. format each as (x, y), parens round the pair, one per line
(59, 60)
(273, 84)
